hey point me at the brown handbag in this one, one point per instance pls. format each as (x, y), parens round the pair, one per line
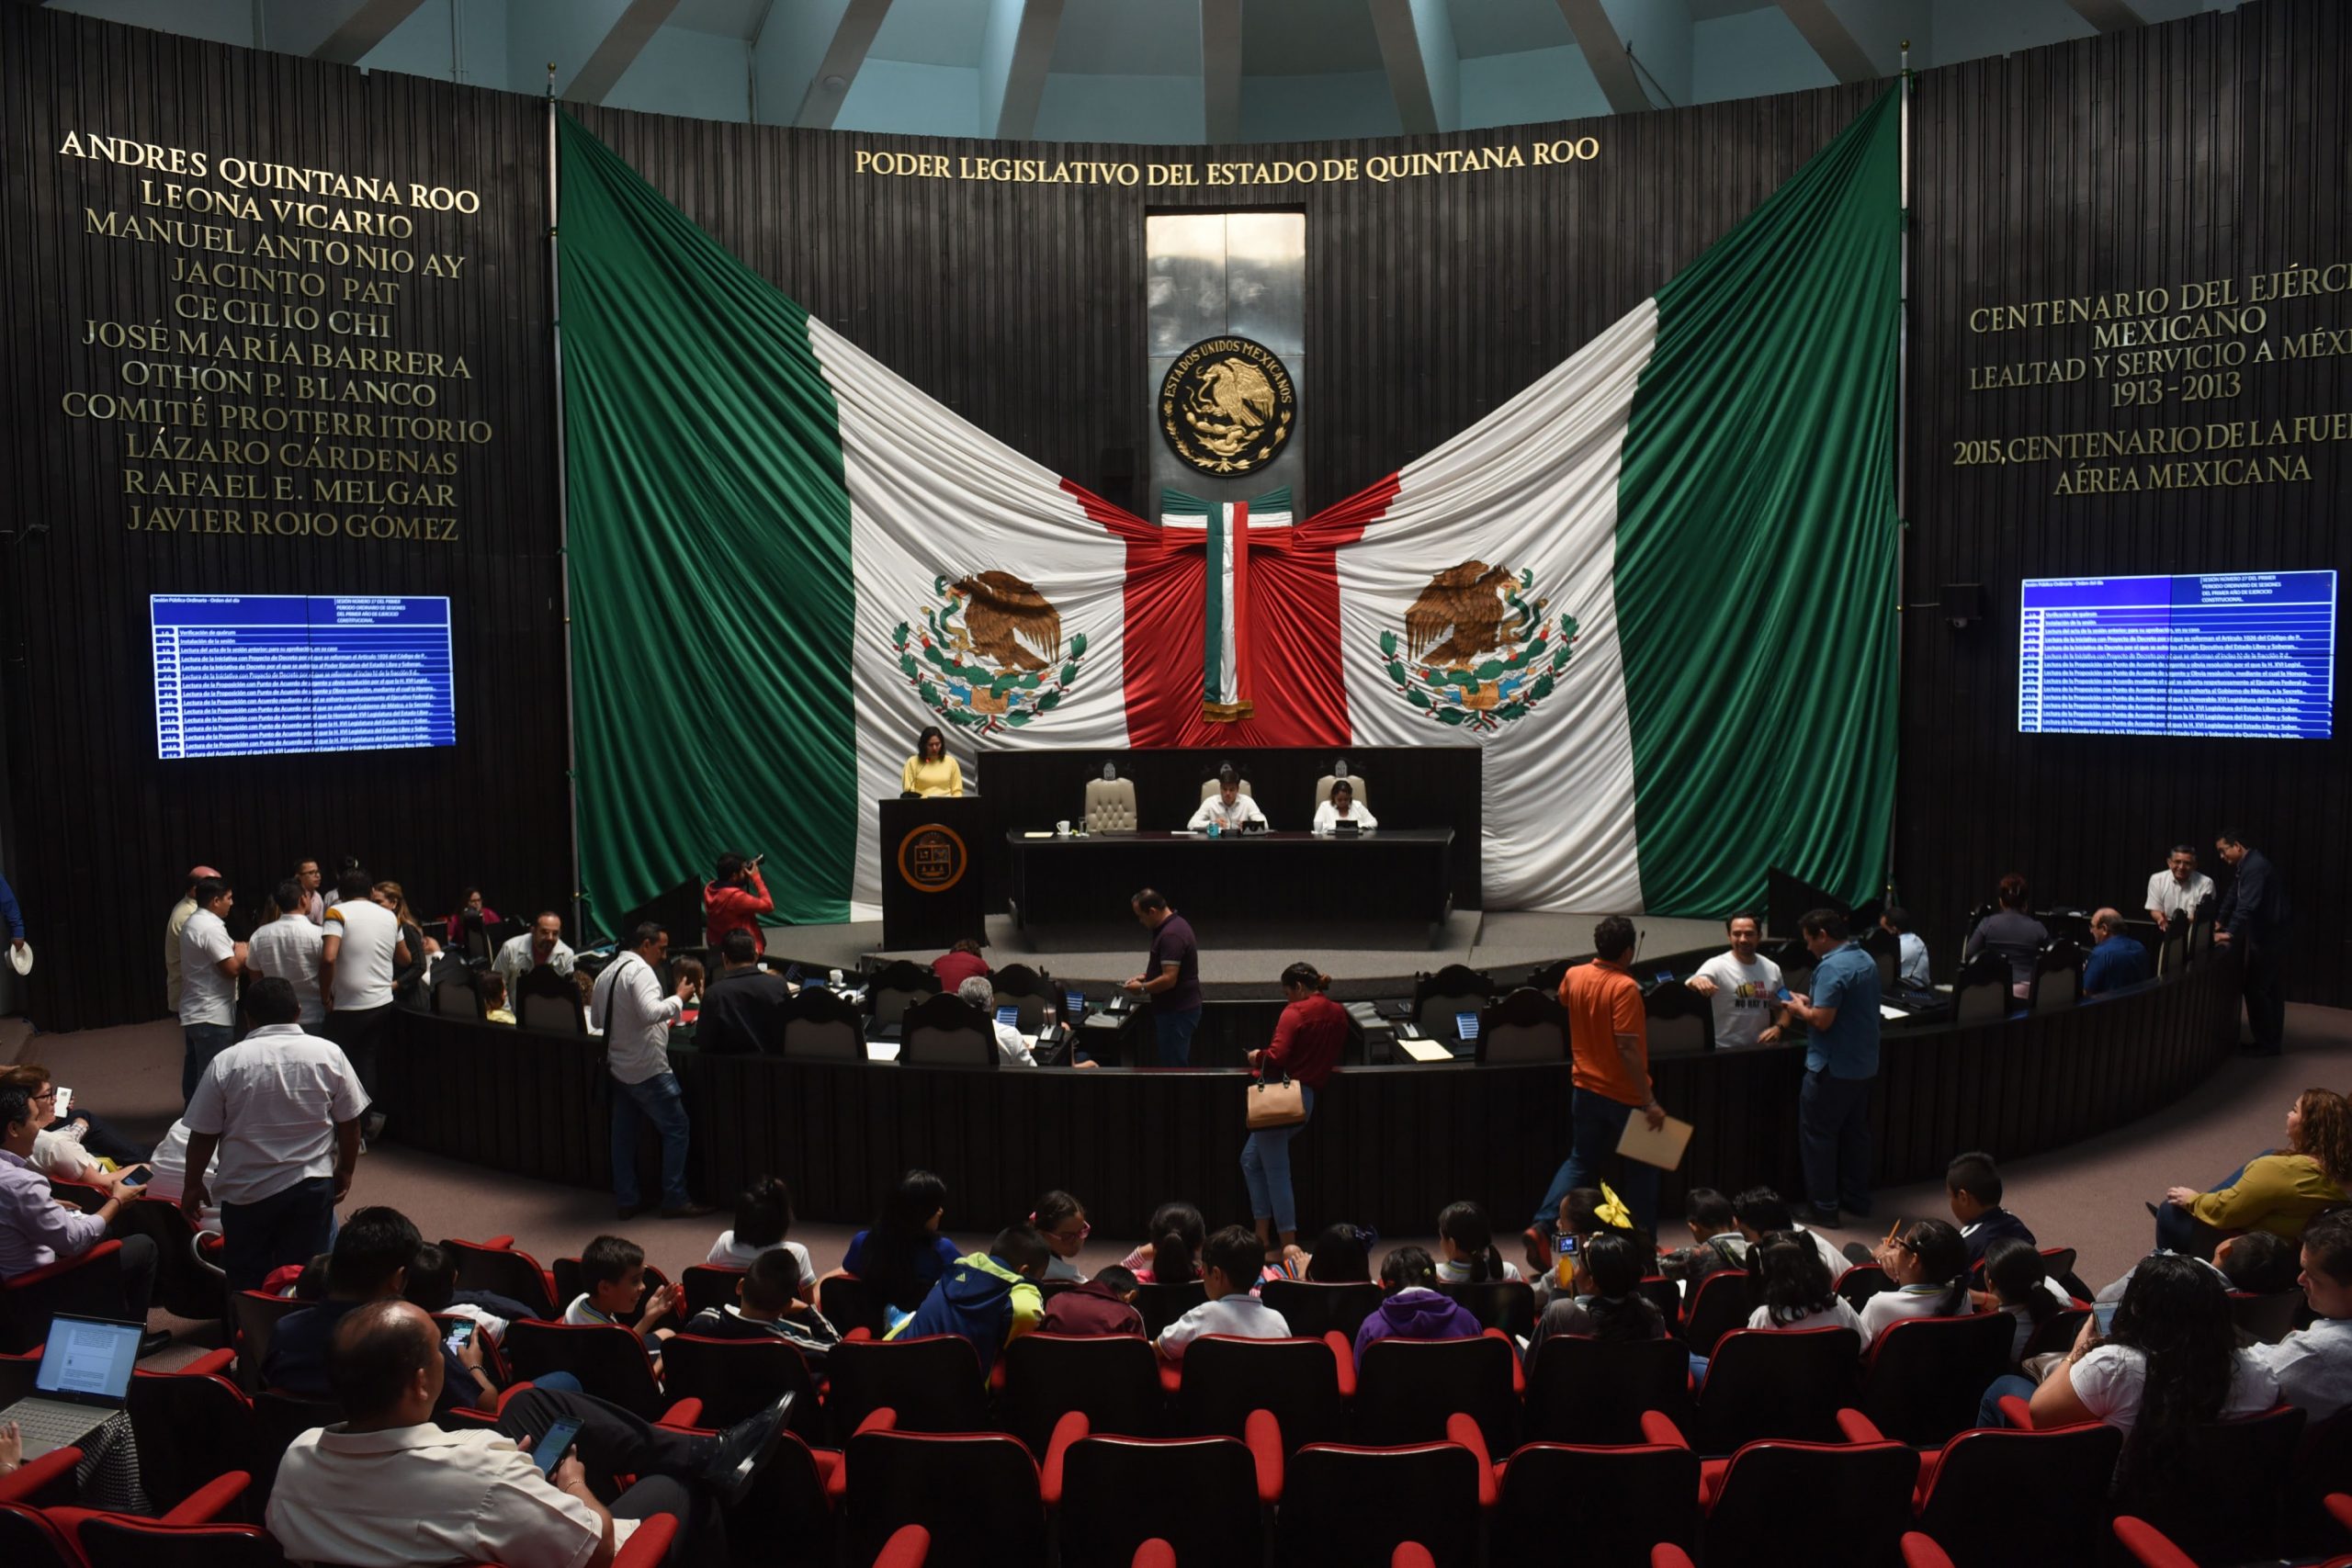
(1279, 1104)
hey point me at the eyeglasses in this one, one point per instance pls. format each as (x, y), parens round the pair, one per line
(1080, 1234)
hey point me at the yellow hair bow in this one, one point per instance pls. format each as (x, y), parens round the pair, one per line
(1612, 1212)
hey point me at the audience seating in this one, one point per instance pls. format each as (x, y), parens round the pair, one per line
(848, 1303)
(495, 1266)
(2243, 1469)
(1163, 1305)
(1206, 1497)
(1407, 1388)
(909, 1547)
(1623, 1499)
(1926, 1375)
(978, 1493)
(1868, 1487)
(565, 1273)
(253, 1315)
(1589, 1392)
(1304, 1383)
(709, 1287)
(278, 1420)
(27, 1538)
(2057, 1333)
(45, 1481)
(1507, 1304)
(1345, 1506)
(735, 1378)
(1666, 1297)
(188, 1535)
(1975, 1491)
(609, 1361)
(1784, 1383)
(1312, 1310)
(2269, 1318)
(1718, 1305)
(90, 1284)
(1110, 1380)
(184, 1286)
(192, 1428)
(1863, 1280)
(932, 1383)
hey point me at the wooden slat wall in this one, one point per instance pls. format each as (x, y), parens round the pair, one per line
(1388, 1147)
(2204, 149)
(102, 829)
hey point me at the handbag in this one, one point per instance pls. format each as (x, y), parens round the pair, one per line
(1279, 1104)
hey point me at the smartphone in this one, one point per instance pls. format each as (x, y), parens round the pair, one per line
(461, 1335)
(1564, 1266)
(1784, 994)
(140, 1176)
(64, 1106)
(2103, 1314)
(549, 1452)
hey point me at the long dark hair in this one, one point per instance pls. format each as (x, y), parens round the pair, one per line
(1405, 1266)
(2177, 1314)
(902, 1237)
(1788, 1277)
(1178, 1233)
(1618, 1309)
(2015, 1271)
(931, 732)
(1942, 1257)
(1342, 1255)
(1467, 1227)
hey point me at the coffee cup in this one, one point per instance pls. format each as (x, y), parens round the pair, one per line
(1061, 829)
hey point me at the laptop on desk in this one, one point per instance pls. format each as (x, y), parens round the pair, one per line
(84, 1379)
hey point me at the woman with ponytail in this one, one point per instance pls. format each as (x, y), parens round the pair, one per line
(1172, 1255)
(1467, 1239)
(1306, 1044)
(1929, 1268)
(2020, 1282)
(1608, 1303)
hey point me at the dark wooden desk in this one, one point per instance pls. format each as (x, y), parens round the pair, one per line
(1393, 877)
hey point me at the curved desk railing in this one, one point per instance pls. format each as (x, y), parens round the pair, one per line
(1389, 1146)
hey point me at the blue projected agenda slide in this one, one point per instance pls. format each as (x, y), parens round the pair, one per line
(249, 675)
(2243, 654)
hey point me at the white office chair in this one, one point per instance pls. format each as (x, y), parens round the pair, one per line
(1323, 788)
(1110, 806)
(1208, 788)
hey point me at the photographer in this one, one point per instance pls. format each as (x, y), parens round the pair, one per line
(736, 900)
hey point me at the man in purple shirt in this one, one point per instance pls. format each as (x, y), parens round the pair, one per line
(36, 1230)
(1171, 978)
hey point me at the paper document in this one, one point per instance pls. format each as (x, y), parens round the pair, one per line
(1662, 1148)
(1892, 1013)
(882, 1050)
(1425, 1050)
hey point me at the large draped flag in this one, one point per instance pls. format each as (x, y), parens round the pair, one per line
(1658, 587)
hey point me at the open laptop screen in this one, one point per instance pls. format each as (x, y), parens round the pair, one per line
(89, 1358)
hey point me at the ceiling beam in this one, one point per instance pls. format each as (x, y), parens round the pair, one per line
(852, 37)
(1412, 80)
(630, 33)
(1839, 48)
(1613, 67)
(369, 24)
(1019, 84)
(2109, 16)
(1221, 69)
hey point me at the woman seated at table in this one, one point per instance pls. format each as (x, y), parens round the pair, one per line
(931, 770)
(2275, 1192)
(1343, 808)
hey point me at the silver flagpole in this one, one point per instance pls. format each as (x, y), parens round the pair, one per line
(563, 527)
(1901, 432)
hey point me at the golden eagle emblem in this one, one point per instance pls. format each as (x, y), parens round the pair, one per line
(1228, 405)
(987, 655)
(1479, 648)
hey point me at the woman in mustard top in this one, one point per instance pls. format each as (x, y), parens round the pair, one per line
(931, 770)
(2276, 1192)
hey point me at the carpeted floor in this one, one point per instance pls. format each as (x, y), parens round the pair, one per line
(2088, 1197)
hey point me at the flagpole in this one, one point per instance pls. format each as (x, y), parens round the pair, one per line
(1902, 431)
(563, 527)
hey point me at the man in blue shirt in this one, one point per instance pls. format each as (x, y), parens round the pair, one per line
(1841, 1024)
(2118, 961)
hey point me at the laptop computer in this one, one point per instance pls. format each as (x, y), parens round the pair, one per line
(83, 1378)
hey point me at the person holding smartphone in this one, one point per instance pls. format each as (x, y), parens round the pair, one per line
(735, 900)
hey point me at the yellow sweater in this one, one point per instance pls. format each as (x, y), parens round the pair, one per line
(943, 777)
(2276, 1194)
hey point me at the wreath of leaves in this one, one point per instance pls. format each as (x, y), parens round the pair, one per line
(926, 663)
(1537, 650)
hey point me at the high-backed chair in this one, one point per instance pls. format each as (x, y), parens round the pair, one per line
(1110, 806)
(1645, 1494)
(933, 1383)
(1980, 992)
(1323, 788)
(1162, 1305)
(1748, 1511)
(2247, 1464)
(545, 1000)
(976, 1492)
(1406, 1389)
(1111, 1379)
(1507, 1304)
(1205, 1497)
(1425, 1491)
(1787, 1383)
(1314, 1309)
(454, 995)
(1593, 1391)
(823, 1026)
(2057, 975)
(609, 1361)
(1719, 1304)
(2200, 936)
(90, 1284)
(1927, 1374)
(1525, 1026)
(1680, 1022)
(1984, 1481)
(1209, 787)
(947, 1032)
(2172, 948)
(1456, 988)
(736, 1378)
(1302, 1383)
(895, 988)
(1028, 992)
(474, 939)
(253, 1316)
(494, 1264)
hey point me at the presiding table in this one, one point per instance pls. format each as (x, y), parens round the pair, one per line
(1396, 879)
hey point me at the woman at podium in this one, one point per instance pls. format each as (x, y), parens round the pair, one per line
(931, 770)
(1343, 808)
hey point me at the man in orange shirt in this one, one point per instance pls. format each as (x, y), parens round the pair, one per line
(1610, 1039)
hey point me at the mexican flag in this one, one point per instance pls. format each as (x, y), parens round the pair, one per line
(1656, 587)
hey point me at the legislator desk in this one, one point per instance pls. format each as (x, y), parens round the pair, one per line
(1388, 1147)
(1394, 880)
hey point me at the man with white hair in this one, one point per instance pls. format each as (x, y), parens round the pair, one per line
(1009, 1043)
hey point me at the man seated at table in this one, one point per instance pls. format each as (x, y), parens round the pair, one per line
(2118, 961)
(743, 1007)
(2176, 892)
(1343, 808)
(1009, 1043)
(1228, 810)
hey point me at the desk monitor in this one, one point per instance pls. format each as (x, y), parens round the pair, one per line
(1008, 1017)
(1466, 1025)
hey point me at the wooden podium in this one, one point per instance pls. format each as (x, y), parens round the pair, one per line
(932, 885)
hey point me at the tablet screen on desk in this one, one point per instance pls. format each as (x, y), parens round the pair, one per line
(1465, 1024)
(1008, 1017)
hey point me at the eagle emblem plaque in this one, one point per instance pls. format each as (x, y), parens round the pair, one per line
(1480, 648)
(1228, 405)
(988, 656)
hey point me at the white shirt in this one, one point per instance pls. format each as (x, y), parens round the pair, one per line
(60, 1156)
(2314, 1366)
(1325, 814)
(2108, 1380)
(1450, 1272)
(172, 926)
(207, 996)
(364, 965)
(515, 960)
(1838, 1261)
(2174, 897)
(1744, 996)
(273, 1099)
(167, 1175)
(289, 948)
(2024, 1334)
(492, 1326)
(729, 1253)
(1213, 809)
(420, 1494)
(1911, 967)
(1012, 1047)
(1887, 1308)
(1838, 1314)
(1238, 1313)
(629, 1006)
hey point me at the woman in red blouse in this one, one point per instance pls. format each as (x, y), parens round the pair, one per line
(1306, 1044)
